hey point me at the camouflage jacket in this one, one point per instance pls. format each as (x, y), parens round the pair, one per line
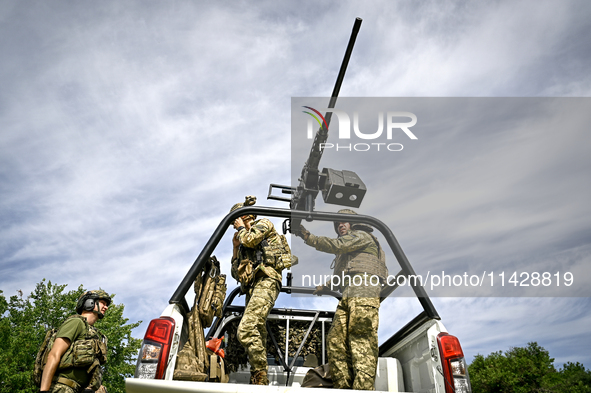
(261, 238)
(357, 252)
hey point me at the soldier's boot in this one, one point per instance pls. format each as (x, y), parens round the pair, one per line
(259, 378)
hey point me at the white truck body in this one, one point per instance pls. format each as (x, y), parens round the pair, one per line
(411, 365)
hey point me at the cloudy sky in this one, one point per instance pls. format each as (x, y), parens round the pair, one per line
(128, 130)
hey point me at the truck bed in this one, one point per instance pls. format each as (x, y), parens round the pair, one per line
(388, 379)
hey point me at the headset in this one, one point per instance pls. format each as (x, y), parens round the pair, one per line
(89, 305)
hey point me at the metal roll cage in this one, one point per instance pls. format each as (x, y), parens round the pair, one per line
(406, 269)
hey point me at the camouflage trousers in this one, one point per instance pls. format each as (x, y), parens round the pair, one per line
(353, 339)
(61, 388)
(252, 330)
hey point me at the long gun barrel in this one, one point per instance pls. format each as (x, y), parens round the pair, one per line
(305, 194)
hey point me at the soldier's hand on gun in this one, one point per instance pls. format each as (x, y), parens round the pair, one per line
(302, 232)
(321, 290)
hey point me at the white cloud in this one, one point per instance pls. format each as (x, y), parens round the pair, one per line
(127, 131)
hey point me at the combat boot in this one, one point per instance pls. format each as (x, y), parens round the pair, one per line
(259, 378)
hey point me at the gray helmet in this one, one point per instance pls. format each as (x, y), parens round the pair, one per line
(88, 300)
(357, 226)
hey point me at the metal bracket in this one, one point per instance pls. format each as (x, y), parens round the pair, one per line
(284, 190)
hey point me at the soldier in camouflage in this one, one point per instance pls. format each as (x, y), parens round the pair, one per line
(353, 337)
(258, 251)
(77, 339)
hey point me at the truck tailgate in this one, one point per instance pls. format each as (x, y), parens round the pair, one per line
(133, 385)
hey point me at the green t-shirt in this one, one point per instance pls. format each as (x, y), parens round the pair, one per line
(73, 329)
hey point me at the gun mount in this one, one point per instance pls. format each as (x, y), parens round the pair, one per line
(338, 187)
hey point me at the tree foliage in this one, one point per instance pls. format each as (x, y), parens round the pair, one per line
(526, 370)
(25, 320)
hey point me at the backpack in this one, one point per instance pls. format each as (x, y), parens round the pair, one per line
(213, 293)
(41, 358)
(318, 377)
(195, 360)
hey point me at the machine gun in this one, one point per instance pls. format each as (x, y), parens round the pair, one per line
(338, 187)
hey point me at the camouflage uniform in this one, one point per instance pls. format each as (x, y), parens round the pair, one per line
(261, 292)
(352, 341)
(59, 388)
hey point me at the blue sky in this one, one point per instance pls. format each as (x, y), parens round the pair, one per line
(128, 130)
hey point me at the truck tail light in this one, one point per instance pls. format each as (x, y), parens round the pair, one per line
(153, 357)
(455, 370)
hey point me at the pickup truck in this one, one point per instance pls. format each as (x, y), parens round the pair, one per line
(421, 357)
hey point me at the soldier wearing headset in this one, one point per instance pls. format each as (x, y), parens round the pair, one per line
(79, 350)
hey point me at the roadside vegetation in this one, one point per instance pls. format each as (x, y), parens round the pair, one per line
(527, 369)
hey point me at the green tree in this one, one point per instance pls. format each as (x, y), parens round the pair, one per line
(572, 378)
(24, 321)
(526, 370)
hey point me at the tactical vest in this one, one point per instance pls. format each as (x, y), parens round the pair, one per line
(362, 261)
(275, 255)
(88, 352)
(278, 254)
